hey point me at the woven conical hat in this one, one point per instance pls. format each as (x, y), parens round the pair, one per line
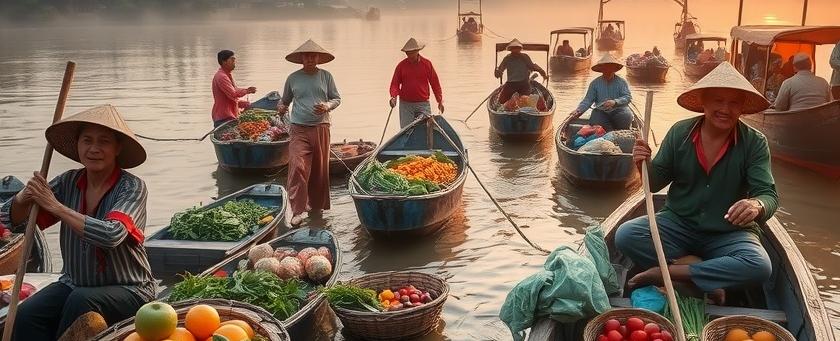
(607, 59)
(514, 43)
(724, 76)
(63, 135)
(310, 47)
(413, 45)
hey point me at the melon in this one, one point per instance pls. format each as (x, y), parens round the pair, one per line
(318, 268)
(290, 267)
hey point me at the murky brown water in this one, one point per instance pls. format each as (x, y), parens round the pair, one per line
(159, 77)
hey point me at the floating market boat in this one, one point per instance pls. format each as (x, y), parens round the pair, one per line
(38, 280)
(389, 214)
(300, 324)
(523, 124)
(251, 156)
(11, 249)
(594, 169)
(790, 298)
(564, 64)
(654, 73)
(168, 256)
(373, 14)
(805, 137)
(686, 26)
(606, 41)
(341, 164)
(466, 34)
(693, 67)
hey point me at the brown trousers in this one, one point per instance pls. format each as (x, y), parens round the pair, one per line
(835, 92)
(309, 168)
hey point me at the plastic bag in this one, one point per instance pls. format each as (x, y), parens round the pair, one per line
(600, 146)
(597, 250)
(649, 298)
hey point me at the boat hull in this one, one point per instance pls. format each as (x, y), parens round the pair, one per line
(522, 125)
(250, 157)
(468, 36)
(807, 138)
(590, 169)
(699, 70)
(605, 44)
(568, 64)
(654, 74)
(344, 166)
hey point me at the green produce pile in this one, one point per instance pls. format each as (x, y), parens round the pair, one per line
(256, 115)
(693, 312)
(352, 297)
(230, 222)
(282, 298)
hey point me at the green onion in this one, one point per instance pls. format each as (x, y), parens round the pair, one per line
(693, 312)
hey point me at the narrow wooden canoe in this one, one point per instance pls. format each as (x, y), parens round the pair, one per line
(247, 156)
(807, 138)
(169, 256)
(467, 36)
(790, 298)
(522, 125)
(301, 323)
(11, 250)
(593, 169)
(340, 166)
(649, 73)
(39, 280)
(569, 64)
(564, 64)
(388, 215)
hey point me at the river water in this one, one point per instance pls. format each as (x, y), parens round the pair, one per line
(158, 75)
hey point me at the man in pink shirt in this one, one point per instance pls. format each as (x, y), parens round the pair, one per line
(412, 79)
(226, 102)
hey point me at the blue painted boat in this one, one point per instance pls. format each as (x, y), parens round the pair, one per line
(11, 250)
(387, 215)
(594, 169)
(790, 298)
(169, 256)
(247, 156)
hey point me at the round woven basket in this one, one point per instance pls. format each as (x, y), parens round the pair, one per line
(261, 320)
(401, 324)
(596, 326)
(716, 330)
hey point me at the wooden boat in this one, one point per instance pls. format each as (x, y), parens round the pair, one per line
(570, 64)
(593, 169)
(524, 124)
(373, 14)
(11, 249)
(345, 165)
(466, 35)
(649, 73)
(39, 280)
(389, 215)
(607, 42)
(301, 323)
(247, 156)
(692, 67)
(806, 137)
(169, 256)
(790, 298)
(686, 26)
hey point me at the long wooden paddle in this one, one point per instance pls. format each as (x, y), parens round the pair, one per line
(28, 238)
(654, 231)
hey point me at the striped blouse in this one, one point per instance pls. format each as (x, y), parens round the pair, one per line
(600, 90)
(110, 251)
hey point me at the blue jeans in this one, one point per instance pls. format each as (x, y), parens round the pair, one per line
(619, 119)
(730, 259)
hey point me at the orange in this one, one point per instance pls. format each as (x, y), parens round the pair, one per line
(133, 337)
(763, 336)
(202, 320)
(737, 334)
(181, 334)
(232, 332)
(242, 324)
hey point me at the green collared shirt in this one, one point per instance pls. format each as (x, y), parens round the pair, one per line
(703, 199)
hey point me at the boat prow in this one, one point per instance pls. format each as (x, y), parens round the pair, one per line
(523, 124)
(594, 169)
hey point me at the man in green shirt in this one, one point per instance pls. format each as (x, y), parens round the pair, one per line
(718, 169)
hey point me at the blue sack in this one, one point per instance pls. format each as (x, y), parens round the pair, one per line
(649, 298)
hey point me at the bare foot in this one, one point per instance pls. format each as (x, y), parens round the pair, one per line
(652, 276)
(296, 220)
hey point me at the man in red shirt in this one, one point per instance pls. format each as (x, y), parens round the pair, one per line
(411, 82)
(226, 102)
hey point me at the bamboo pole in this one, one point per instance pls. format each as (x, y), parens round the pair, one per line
(740, 11)
(654, 231)
(804, 12)
(29, 233)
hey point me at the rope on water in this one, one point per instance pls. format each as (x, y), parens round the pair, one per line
(463, 157)
(175, 139)
(442, 40)
(352, 176)
(494, 33)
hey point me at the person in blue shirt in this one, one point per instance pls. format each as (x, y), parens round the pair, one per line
(611, 96)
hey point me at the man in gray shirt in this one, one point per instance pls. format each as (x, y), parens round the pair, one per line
(803, 90)
(519, 67)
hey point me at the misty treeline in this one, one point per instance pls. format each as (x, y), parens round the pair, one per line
(49, 8)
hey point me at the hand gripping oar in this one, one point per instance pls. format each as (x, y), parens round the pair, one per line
(654, 232)
(29, 233)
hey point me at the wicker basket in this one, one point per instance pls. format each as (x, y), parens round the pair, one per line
(596, 326)
(261, 320)
(716, 330)
(401, 324)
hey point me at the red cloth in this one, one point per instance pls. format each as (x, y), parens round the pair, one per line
(701, 154)
(226, 102)
(411, 81)
(309, 168)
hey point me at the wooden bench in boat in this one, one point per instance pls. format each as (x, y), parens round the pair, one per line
(715, 311)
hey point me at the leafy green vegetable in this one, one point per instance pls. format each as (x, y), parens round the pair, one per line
(353, 297)
(230, 222)
(438, 155)
(376, 177)
(256, 115)
(693, 312)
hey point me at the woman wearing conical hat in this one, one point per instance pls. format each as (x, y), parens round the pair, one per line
(519, 67)
(611, 95)
(312, 93)
(102, 212)
(411, 81)
(718, 169)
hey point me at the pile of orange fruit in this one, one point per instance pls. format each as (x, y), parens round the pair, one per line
(428, 168)
(253, 130)
(738, 334)
(202, 323)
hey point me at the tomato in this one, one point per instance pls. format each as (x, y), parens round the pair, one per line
(602, 337)
(657, 340)
(666, 336)
(623, 331)
(635, 323)
(614, 335)
(414, 298)
(639, 335)
(403, 291)
(656, 335)
(611, 324)
(651, 328)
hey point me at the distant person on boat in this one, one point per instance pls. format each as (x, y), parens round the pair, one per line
(720, 54)
(803, 90)
(774, 76)
(411, 81)
(787, 68)
(721, 187)
(694, 50)
(834, 61)
(656, 51)
(102, 212)
(565, 49)
(519, 67)
(611, 94)
(609, 32)
(472, 25)
(226, 96)
(314, 94)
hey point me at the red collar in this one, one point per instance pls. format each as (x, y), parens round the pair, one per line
(701, 153)
(81, 184)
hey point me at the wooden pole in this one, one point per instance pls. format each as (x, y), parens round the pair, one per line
(654, 232)
(740, 11)
(804, 12)
(29, 233)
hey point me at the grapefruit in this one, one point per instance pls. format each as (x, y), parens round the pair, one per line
(232, 332)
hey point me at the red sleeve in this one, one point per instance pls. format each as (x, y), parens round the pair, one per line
(396, 80)
(435, 83)
(132, 230)
(225, 84)
(45, 219)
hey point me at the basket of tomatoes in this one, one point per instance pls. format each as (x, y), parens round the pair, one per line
(742, 327)
(629, 324)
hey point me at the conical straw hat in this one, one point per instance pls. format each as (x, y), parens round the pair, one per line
(724, 76)
(607, 59)
(514, 43)
(413, 45)
(310, 47)
(63, 135)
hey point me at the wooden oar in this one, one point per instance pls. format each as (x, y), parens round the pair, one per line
(654, 231)
(381, 138)
(29, 233)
